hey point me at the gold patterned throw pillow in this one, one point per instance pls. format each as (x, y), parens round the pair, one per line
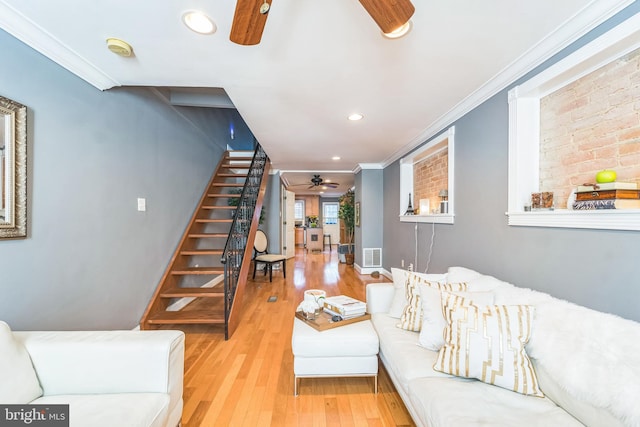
(411, 319)
(487, 343)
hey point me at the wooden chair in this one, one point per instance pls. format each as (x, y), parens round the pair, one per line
(261, 254)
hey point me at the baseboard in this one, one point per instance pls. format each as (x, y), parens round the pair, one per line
(369, 270)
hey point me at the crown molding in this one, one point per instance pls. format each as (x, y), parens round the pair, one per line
(571, 30)
(361, 166)
(37, 38)
(314, 171)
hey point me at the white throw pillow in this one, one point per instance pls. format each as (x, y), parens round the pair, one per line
(433, 322)
(462, 274)
(477, 282)
(411, 318)
(400, 300)
(18, 380)
(487, 343)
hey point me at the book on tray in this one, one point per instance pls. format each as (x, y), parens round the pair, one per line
(344, 306)
(343, 316)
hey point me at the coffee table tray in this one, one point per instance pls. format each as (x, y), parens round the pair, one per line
(324, 322)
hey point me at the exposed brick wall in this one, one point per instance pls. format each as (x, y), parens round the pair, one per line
(429, 177)
(591, 125)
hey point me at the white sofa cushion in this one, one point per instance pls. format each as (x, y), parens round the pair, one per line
(445, 402)
(130, 361)
(400, 352)
(487, 343)
(593, 357)
(433, 323)
(18, 380)
(109, 410)
(582, 410)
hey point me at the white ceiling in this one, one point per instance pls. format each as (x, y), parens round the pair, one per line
(318, 62)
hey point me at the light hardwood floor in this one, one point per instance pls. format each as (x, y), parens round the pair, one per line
(248, 380)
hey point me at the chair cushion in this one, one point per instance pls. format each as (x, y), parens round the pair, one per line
(19, 382)
(270, 258)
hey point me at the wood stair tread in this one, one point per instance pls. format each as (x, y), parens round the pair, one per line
(214, 220)
(233, 175)
(218, 207)
(226, 195)
(186, 271)
(239, 158)
(207, 235)
(202, 252)
(227, 184)
(214, 292)
(187, 317)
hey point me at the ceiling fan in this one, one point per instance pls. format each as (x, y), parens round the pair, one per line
(316, 181)
(251, 15)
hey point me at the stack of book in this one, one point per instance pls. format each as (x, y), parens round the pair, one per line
(610, 195)
(344, 306)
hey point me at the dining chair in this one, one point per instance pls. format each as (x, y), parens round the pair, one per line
(262, 255)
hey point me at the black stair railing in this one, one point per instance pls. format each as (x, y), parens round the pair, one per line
(234, 248)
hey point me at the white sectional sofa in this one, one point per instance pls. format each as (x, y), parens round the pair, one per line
(587, 363)
(109, 378)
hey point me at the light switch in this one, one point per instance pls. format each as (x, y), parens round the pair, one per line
(142, 204)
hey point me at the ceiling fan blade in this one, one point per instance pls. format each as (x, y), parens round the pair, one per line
(332, 185)
(389, 14)
(248, 22)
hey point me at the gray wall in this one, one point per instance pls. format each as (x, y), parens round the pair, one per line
(272, 218)
(595, 268)
(369, 183)
(91, 260)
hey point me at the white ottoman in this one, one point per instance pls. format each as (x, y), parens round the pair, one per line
(344, 351)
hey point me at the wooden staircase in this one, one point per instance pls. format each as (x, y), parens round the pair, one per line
(195, 270)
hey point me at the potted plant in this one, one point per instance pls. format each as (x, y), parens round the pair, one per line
(346, 213)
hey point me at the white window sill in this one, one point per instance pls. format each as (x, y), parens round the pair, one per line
(436, 218)
(606, 219)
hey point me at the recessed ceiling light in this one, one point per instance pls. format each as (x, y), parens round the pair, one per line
(335, 158)
(327, 180)
(355, 117)
(399, 32)
(198, 22)
(321, 192)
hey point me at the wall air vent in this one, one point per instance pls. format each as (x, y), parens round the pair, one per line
(372, 257)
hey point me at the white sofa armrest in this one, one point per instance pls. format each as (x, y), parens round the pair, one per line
(97, 362)
(379, 297)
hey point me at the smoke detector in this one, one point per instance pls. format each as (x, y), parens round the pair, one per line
(119, 47)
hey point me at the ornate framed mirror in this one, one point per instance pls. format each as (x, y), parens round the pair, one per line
(13, 169)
